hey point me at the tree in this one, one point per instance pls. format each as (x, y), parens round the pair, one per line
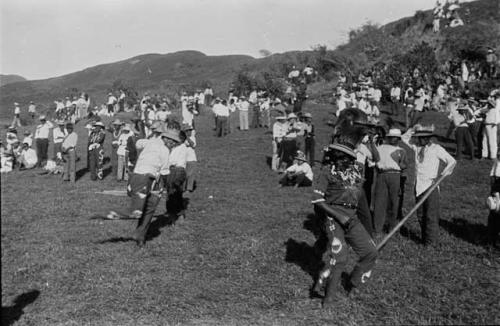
(265, 53)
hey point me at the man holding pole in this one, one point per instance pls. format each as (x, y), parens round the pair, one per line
(427, 158)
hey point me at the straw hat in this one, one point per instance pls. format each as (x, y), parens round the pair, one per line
(99, 124)
(344, 148)
(280, 117)
(394, 133)
(300, 156)
(291, 116)
(187, 127)
(307, 115)
(171, 134)
(423, 131)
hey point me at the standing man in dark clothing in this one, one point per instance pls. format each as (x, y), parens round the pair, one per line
(310, 143)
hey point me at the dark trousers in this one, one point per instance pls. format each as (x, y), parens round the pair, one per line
(69, 173)
(462, 135)
(299, 179)
(494, 217)
(42, 147)
(335, 256)
(114, 159)
(255, 117)
(309, 149)
(175, 187)
(96, 158)
(386, 201)
(288, 151)
(221, 129)
(363, 213)
(111, 108)
(142, 201)
(428, 215)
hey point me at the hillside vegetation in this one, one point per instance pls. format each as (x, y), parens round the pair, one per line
(9, 79)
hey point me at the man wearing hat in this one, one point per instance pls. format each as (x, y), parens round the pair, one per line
(17, 116)
(428, 157)
(42, 139)
(221, 112)
(299, 174)
(191, 159)
(491, 122)
(289, 142)
(460, 119)
(337, 193)
(58, 135)
(96, 151)
(115, 130)
(279, 130)
(390, 167)
(243, 107)
(309, 142)
(121, 152)
(68, 149)
(144, 184)
(27, 158)
(32, 110)
(491, 61)
(176, 179)
(111, 104)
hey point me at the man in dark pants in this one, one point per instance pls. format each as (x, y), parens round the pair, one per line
(68, 149)
(144, 188)
(115, 130)
(42, 139)
(428, 157)
(337, 192)
(391, 163)
(462, 132)
(309, 138)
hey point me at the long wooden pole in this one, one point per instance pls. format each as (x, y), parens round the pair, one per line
(413, 210)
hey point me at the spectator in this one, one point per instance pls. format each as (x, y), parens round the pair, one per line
(111, 104)
(491, 61)
(310, 142)
(27, 158)
(243, 107)
(122, 155)
(59, 134)
(491, 121)
(221, 112)
(299, 174)
(17, 116)
(279, 131)
(32, 110)
(42, 139)
(95, 152)
(68, 150)
(494, 204)
(460, 118)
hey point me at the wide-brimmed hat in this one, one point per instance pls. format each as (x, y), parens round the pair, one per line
(186, 127)
(117, 122)
(99, 124)
(300, 156)
(423, 131)
(42, 117)
(292, 116)
(171, 134)
(394, 132)
(343, 148)
(307, 115)
(280, 117)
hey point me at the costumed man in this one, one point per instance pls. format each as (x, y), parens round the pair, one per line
(176, 179)
(310, 143)
(96, 151)
(115, 130)
(299, 174)
(391, 164)
(337, 192)
(428, 156)
(68, 152)
(144, 184)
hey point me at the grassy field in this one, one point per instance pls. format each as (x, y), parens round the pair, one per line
(243, 256)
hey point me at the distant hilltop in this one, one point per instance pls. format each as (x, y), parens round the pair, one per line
(9, 79)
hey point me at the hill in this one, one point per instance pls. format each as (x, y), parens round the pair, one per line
(9, 79)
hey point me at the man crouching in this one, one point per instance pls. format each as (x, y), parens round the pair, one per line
(337, 192)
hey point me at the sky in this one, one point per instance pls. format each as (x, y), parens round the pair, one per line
(48, 38)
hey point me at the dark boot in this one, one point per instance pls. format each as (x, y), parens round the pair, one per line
(332, 291)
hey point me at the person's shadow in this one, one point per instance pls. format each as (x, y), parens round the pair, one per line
(304, 255)
(12, 314)
(474, 233)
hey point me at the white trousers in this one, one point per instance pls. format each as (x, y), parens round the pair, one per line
(490, 141)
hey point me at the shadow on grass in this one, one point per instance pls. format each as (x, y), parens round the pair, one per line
(474, 233)
(107, 171)
(80, 173)
(115, 240)
(410, 234)
(12, 314)
(269, 161)
(158, 223)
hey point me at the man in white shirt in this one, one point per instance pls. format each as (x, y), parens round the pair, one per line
(58, 135)
(121, 152)
(428, 156)
(144, 185)
(68, 149)
(491, 121)
(299, 174)
(32, 110)
(243, 107)
(163, 113)
(27, 159)
(17, 116)
(221, 112)
(279, 131)
(111, 103)
(121, 100)
(253, 99)
(177, 178)
(42, 139)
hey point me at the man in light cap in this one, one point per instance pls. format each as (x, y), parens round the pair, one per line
(144, 184)
(68, 149)
(42, 139)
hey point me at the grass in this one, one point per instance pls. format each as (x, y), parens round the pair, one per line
(243, 256)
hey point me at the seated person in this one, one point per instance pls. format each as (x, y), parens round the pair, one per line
(27, 159)
(299, 174)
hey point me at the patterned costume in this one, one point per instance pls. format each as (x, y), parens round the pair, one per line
(96, 153)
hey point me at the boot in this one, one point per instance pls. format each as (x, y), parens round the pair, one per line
(332, 294)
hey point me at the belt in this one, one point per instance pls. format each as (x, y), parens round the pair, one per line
(388, 171)
(346, 205)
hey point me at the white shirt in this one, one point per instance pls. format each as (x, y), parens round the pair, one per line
(493, 114)
(111, 100)
(162, 115)
(17, 110)
(59, 135)
(42, 130)
(427, 170)
(70, 141)
(303, 168)
(253, 97)
(31, 108)
(178, 156)
(29, 156)
(495, 169)
(153, 159)
(396, 92)
(122, 143)
(221, 110)
(279, 130)
(243, 105)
